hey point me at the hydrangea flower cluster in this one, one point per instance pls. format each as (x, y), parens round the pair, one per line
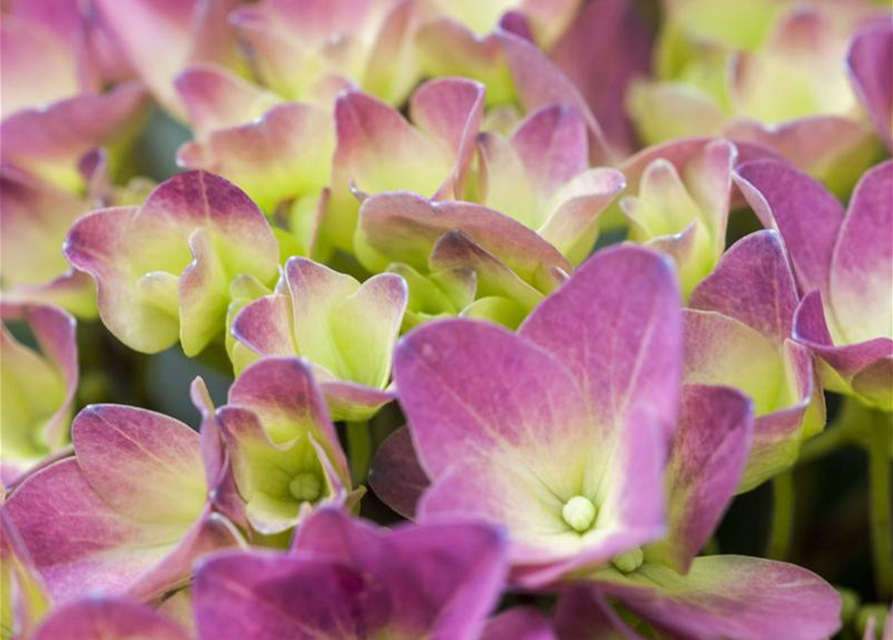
(498, 307)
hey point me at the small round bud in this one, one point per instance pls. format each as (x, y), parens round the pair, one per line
(579, 513)
(305, 486)
(629, 561)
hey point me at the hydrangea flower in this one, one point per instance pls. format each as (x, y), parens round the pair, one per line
(739, 332)
(718, 596)
(592, 377)
(347, 330)
(23, 598)
(163, 270)
(54, 108)
(769, 73)
(683, 210)
(127, 514)
(345, 579)
(38, 390)
(844, 265)
(282, 447)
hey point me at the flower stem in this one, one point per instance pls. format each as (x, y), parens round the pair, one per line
(878, 443)
(359, 450)
(782, 516)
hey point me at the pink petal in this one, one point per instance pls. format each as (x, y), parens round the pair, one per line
(709, 453)
(107, 619)
(519, 623)
(861, 271)
(733, 597)
(607, 46)
(870, 68)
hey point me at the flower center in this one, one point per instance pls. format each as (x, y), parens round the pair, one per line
(305, 486)
(579, 513)
(629, 561)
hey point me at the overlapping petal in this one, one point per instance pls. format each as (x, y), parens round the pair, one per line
(163, 270)
(378, 150)
(868, 60)
(316, 318)
(844, 265)
(481, 404)
(733, 597)
(739, 332)
(344, 578)
(127, 515)
(283, 448)
(682, 210)
(38, 388)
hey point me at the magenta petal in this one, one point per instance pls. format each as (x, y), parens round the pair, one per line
(806, 215)
(610, 41)
(870, 62)
(395, 474)
(107, 619)
(619, 311)
(732, 597)
(552, 146)
(346, 579)
(404, 227)
(539, 81)
(710, 450)
(861, 270)
(753, 284)
(286, 399)
(450, 374)
(444, 577)
(49, 142)
(583, 614)
(519, 623)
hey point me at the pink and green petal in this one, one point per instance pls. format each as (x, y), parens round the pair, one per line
(23, 597)
(163, 270)
(143, 464)
(99, 618)
(834, 149)
(38, 216)
(710, 450)
(618, 311)
(449, 112)
(538, 81)
(377, 150)
(103, 550)
(216, 98)
(326, 305)
(404, 227)
(843, 364)
(285, 399)
(804, 213)
(216, 460)
(192, 30)
(861, 267)
(456, 251)
(395, 475)
(870, 69)
(264, 472)
(732, 597)
(49, 142)
(753, 284)
(263, 328)
(280, 155)
(583, 614)
(575, 211)
(38, 387)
